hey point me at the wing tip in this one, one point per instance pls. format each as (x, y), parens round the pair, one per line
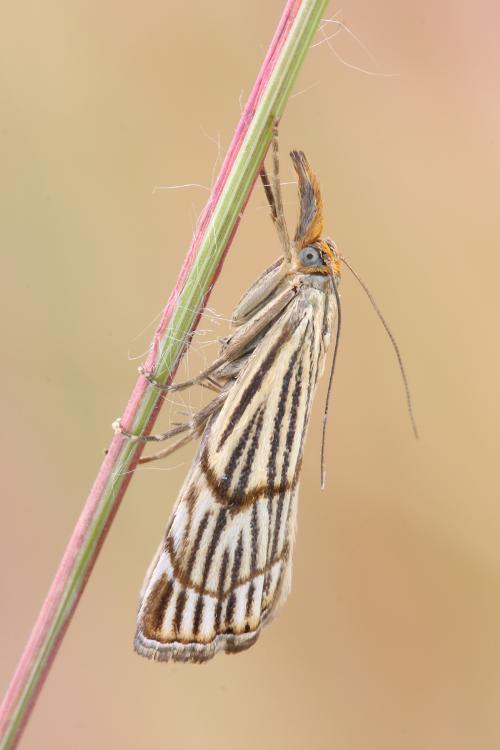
(196, 653)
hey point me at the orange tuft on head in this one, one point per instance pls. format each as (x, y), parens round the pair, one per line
(327, 248)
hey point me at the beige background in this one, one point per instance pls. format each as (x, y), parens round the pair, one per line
(391, 638)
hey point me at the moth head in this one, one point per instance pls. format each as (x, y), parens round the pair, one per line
(311, 253)
(320, 257)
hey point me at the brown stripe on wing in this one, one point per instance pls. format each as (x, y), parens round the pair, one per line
(220, 589)
(267, 580)
(278, 419)
(239, 492)
(214, 542)
(253, 386)
(196, 546)
(273, 454)
(254, 531)
(278, 523)
(199, 604)
(189, 501)
(250, 595)
(290, 435)
(294, 433)
(234, 459)
(198, 614)
(157, 604)
(254, 535)
(314, 355)
(235, 574)
(311, 383)
(227, 499)
(179, 610)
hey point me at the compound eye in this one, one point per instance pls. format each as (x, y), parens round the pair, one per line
(310, 256)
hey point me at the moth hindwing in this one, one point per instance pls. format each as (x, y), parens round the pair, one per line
(224, 565)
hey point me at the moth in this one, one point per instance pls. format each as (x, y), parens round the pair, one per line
(224, 565)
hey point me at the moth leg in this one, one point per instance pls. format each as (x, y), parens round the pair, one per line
(212, 384)
(273, 193)
(266, 184)
(203, 378)
(196, 422)
(168, 451)
(192, 434)
(236, 345)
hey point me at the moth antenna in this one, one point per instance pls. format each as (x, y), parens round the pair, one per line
(409, 402)
(330, 383)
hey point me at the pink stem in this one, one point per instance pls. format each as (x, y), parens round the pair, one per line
(52, 603)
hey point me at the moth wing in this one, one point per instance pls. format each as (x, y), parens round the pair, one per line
(225, 563)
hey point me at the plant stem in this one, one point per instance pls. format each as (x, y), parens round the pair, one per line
(199, 271)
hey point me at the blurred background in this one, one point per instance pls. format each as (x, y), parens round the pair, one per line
(391, 636)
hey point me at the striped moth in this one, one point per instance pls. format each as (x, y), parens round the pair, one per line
(224, 565)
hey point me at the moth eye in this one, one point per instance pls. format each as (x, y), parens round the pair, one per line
(310, 256)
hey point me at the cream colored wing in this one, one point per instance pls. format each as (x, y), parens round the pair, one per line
(225, 562)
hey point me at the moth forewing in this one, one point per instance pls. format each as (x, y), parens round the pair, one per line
(224, 565)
